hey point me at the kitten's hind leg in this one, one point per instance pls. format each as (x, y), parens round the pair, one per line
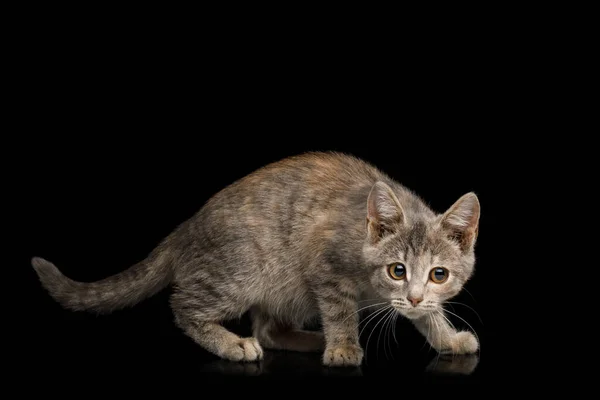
(200, 319)
(276, 335)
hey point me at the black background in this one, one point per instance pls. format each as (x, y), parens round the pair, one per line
(122, 137)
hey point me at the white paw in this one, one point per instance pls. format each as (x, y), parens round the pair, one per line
(246, 349)
(343, 356)
(463, 343)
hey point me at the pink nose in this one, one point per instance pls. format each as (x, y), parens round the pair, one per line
(415, 300)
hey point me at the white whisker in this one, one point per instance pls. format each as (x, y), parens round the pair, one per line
(394, 328)
(373, 315)
(462, 304)
(385, 318)
(428, 330)
(362, 308)
(450, 333)
(386, 336)
(440, 345)
(375, 327)
(363, 300)
(466, 290)
(384, 330)
(391, 333)
(470, 327)
(446, 318)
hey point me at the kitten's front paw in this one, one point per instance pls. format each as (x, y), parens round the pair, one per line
(463, 343)
(343, 356)
(246, 349)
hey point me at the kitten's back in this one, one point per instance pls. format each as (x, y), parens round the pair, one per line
(306, 186)
(288, 212)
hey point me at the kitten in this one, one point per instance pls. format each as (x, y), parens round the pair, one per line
(305, 237)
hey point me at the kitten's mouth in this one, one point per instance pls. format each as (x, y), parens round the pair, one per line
(411, 312)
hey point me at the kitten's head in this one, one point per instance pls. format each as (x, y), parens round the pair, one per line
(417, 263)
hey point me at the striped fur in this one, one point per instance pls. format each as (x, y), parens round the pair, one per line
(303, 238)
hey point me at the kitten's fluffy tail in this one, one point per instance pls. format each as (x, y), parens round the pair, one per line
(118, 291)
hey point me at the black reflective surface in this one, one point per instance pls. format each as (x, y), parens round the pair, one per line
(299, 364)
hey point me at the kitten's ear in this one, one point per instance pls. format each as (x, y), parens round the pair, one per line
(384, 212)
(461, 221)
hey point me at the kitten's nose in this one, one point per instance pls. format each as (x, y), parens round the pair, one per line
(414, 300)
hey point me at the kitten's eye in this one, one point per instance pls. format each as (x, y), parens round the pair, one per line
(439, 275)
(397, 271)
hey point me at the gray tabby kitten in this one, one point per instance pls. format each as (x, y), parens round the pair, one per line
(308, 236)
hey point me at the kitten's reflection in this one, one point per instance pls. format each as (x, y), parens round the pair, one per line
(280, 363)
(224, 367)
(453, 365)
(302, 364)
